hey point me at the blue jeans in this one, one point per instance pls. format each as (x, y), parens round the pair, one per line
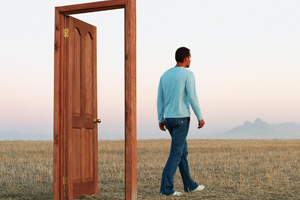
(178, 128)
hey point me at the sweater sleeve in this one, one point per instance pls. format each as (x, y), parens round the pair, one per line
(192, 96)
(160, 104)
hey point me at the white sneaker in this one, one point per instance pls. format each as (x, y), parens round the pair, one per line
(176, 193)
(199, 188)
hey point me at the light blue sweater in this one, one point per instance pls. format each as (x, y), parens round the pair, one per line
(176, 92)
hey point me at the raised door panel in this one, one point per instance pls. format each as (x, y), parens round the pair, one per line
(77, 73)
(88, 74)
(77, 155)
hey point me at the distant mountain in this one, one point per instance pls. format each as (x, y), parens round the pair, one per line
(15, 135)
(11, 135)
(262, 130)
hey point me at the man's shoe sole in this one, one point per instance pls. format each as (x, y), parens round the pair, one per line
(199, 188)
(176, 194)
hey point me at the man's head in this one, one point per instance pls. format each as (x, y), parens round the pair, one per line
(183, 57)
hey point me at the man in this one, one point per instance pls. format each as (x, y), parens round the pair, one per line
(176, 93)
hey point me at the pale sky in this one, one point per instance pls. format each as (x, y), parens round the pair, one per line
(245, 57)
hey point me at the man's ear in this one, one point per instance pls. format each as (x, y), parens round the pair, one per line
(185, 59)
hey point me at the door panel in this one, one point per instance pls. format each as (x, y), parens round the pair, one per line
(76, 162)
(88, 74)
(81, 105)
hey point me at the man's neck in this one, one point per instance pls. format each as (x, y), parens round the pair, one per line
(178, 64)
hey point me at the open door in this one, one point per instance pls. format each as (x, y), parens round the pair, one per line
(75, 164)
(81, 139)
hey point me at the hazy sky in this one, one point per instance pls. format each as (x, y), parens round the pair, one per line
(245, 56)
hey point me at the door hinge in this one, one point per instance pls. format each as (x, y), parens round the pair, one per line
(66, 32)
(65, 180)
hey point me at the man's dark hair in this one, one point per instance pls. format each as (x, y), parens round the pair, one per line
(181, 54)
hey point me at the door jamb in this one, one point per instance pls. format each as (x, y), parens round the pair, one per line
(130, 91)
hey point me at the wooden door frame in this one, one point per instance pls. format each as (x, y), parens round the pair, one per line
(130, 91)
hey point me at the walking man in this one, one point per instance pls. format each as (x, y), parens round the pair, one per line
(176, 93)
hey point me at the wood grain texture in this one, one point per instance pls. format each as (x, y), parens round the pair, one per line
(77, 134)
(58, 115)
(69, 168)
(88, 54)
(130, 101)
(80, 129)
(77, 73)
(92, 7)
(95, 105)
(62, 107)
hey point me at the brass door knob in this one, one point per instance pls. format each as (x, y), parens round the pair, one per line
(97, 120)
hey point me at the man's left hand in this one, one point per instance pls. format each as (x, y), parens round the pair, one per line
(201, 123)
(162, 126)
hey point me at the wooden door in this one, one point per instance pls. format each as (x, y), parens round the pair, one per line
(81, 140)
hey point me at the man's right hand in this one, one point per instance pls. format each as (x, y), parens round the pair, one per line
(162, 126)
(201, 123)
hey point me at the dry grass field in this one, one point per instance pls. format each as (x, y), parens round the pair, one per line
(230, 169)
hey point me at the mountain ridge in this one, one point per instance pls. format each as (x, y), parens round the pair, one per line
(11, 135)
(260, 129)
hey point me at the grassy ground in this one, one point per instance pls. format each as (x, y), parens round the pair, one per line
(230, 169)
